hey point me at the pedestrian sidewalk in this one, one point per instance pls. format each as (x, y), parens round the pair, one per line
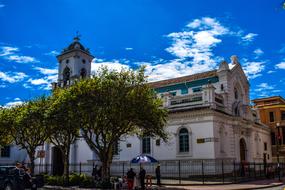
(248, 185)
(241, 186)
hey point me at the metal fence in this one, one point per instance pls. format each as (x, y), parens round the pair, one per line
(186, 171)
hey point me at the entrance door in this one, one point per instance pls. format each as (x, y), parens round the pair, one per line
(57, 161)
(242, 148)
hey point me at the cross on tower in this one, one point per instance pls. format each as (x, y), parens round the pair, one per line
(77, 37)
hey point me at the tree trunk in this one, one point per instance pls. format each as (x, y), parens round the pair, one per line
(32, 159)
(66, 168)
(106, 163)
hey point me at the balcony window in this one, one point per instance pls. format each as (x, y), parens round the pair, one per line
(184, 91)
(197, 89)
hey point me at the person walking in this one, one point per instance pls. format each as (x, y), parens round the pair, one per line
(142, 177)
(157, 174)
(18, 175)
(131, 178)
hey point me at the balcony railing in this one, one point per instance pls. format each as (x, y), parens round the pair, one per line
(199, 99)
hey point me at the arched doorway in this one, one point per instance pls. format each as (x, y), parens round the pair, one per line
(57, 162)
(242, 148)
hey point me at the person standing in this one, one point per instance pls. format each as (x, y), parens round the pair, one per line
(157, 174)
(95, 173)
(142, 177)
(130, 178)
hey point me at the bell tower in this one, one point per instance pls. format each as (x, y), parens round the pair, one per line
(74, 63)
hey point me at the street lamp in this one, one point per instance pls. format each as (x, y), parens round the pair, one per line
(277, 150)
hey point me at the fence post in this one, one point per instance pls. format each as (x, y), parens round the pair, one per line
(260, 173)
(223, 174)
(254, 170)
(80, 168)
(235, 175)
(279, 177)
(123, 169)
(203, 179)
(179, 171)
(249, 170)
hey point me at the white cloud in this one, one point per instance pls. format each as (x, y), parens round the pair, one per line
(14, 103)
(50, 76)
(12, 77)
(2, 5)
(258, 52)
(112, 65)
(265, 89)
(263, 86)
(3, 86)
(38, 81)
(280, 65)
(25, 85)
(17, 99)
(52, 53)
(249, 37)
(253, 69)
(22, 59)
(10, 53)
(128, 48)
(270, 71)
(6, 50)
(46, 71)
(197, 41)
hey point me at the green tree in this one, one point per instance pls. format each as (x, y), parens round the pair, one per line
(29, 129)
(5, 126)
(115, 104)
(64, 123)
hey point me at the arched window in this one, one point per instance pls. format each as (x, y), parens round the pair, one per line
(183, 140)
(146, 145)
(66, 75)
(236, 93)
(83, 73)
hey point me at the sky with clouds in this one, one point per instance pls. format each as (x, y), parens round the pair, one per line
(172, 38)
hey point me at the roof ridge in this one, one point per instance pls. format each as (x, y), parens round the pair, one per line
(181, 79)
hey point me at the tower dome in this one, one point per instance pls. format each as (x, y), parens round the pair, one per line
(74, 63)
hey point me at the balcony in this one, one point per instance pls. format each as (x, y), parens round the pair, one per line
(204, 98)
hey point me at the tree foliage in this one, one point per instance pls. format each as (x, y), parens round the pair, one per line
(62, 118)
(29, 128)
(5, 127)
(116, 104)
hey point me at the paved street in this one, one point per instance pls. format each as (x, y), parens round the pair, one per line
(276, 188)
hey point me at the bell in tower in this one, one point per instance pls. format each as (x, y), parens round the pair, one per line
(74, 63)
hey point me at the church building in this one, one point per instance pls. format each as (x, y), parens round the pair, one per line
(210, 116)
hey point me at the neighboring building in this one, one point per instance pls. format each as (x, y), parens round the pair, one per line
(209, 117)
(272, 114)
(11, 154)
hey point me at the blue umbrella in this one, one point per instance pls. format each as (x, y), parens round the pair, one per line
(143, 159)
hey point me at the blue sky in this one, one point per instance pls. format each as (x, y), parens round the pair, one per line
(171, 37)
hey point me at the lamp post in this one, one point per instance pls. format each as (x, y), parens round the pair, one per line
(277, 150)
